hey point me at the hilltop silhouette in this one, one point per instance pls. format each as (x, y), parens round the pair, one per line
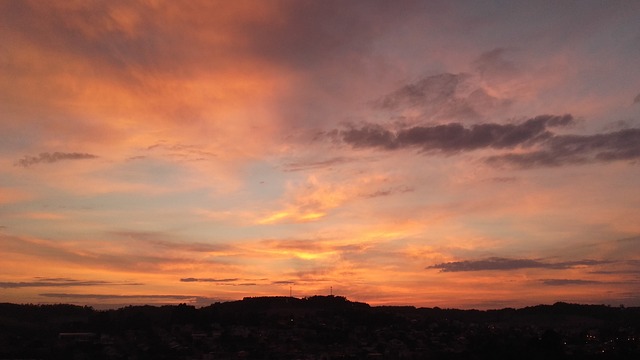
(318, 327)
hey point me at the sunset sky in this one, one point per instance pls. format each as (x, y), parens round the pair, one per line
(466, 154)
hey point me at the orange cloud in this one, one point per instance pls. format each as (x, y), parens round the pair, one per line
(314, 198)
(13, 195)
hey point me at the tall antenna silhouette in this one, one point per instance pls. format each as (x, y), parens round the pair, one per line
(331, 290)
(290, 291)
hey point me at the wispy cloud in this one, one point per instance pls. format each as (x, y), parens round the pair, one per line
(443, 96)
(314, 198)
(114, 296)
(296, 244)
(209, 280)
(180, 152)
(615, 272)
(13, 195)
(170, 242)
(111, 257)
(48, 158)
(227, 281)
(128, 298)
(495, 63)
(389, 191)
(283, 282)
(60, 282)
(434, 90)
(498, 263)
(106, 301)
(565, 282)
(315, 164)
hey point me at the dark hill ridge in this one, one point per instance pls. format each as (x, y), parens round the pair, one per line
(317, 327)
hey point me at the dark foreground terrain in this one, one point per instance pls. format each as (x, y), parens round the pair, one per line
(320, 327)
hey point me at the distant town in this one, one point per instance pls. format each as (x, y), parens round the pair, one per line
(318, 327)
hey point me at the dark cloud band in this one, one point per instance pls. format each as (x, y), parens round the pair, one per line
(58, 282)
(548, 149)
(113, 296)
(497, 263)
(454, 137)
(565, 282)
(576, 149)
(52, 157)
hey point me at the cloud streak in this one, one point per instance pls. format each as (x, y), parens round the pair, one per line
(455, 137)
(48, 158)
(577, 149)
(565, 282)
(226, 282)
(113, 296)
(499, 264)
(283, 282)
(311, 165)
(549, 149)
(209, 280)
(59, 282)
(116, 259)
(106, 301)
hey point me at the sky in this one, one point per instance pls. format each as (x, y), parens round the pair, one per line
(430, 153)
